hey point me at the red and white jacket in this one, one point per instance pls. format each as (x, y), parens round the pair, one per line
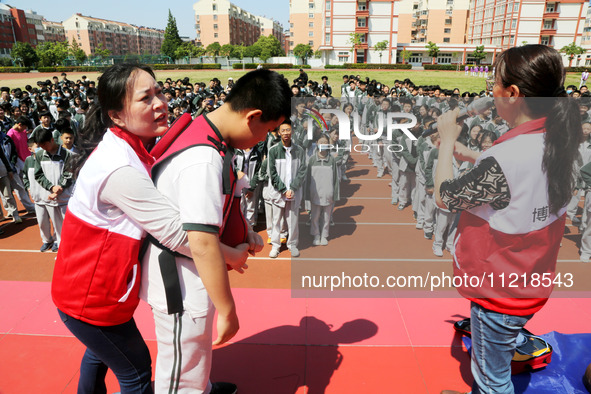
(97, 273)
(506, 249)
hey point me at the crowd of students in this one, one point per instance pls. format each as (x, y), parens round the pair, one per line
(288, 172)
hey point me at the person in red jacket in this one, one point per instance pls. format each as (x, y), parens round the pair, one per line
(97, 273)
(513, 205)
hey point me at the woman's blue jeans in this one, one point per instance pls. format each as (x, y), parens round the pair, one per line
(493, 345)
(120, 348)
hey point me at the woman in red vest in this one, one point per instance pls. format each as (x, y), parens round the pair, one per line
(513, 205)
(97, 273)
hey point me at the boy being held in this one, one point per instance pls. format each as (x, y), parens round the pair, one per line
(259, 101)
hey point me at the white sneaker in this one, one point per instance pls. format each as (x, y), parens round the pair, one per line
(294, 252)
(438, 252)
(419, 226)
(585, 258)
(324, 242)
(274, 253)
(316, 241)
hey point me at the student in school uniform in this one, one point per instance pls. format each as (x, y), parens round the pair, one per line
(287, 172)
(43, 211)
(7, 172)
(51, 173)
(322, 189)
(430, 207)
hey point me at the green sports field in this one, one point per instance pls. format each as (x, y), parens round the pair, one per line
(445, 79)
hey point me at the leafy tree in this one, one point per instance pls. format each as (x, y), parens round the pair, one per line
(52, 53)
(252, 51)
(354, 41)
(317, 54)
(238, 51)
(479, 54)
(303, 51)
(226, 50)
(432, 50)
(405, 55)
(188, 49)
(572, 50)
(269, 46)
(77, 52)
(24, 54)
(213, 49)
(172, 40)
(381, 47)
(101, 52)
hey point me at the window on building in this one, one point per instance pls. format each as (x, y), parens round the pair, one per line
(545, 40)
(311, 5)
(447, 31)
(311, 43)
(548, 24)
(449, 12)
(310, 24)
(77, 25)
(328, 6)
(514, 24)
(448, 21)
(416, 58)
(445, 39)
(327, 21)
(516, 7)
(310, 34)
(311, 15)
(362, 6)
(550, 7)
(215, 17)
(362, 39)
(215, 26)
(214, 7)
(361, 22)
(327, 38)
(444, 58)
(215, 35)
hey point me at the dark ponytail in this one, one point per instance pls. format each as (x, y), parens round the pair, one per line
(538, 72)
(111, 95)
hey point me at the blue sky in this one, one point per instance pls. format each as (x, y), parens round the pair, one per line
(149, 13)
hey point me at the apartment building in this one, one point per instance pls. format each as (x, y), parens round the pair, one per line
(270, 27)
(118, 37)
(223, 22)
(19, 25)
(507, 23)
(307, 23)
(53, 31)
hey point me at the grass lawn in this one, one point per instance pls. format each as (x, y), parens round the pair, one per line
(445, 79)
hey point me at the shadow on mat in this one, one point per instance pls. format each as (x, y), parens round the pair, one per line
(270, 362)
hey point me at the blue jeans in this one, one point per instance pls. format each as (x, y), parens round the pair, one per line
(120, 348)
(493, 345)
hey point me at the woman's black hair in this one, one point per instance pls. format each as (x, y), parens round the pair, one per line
(111, 92)
(538, 72)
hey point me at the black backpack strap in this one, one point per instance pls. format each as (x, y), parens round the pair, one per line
(169, 272)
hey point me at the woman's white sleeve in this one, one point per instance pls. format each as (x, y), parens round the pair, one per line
(134, 194)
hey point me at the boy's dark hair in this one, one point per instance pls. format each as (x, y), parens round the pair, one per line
(45, 113)
(44, 135)
(62, 124)
(262, 89)
(286, 121)
(24, 120)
